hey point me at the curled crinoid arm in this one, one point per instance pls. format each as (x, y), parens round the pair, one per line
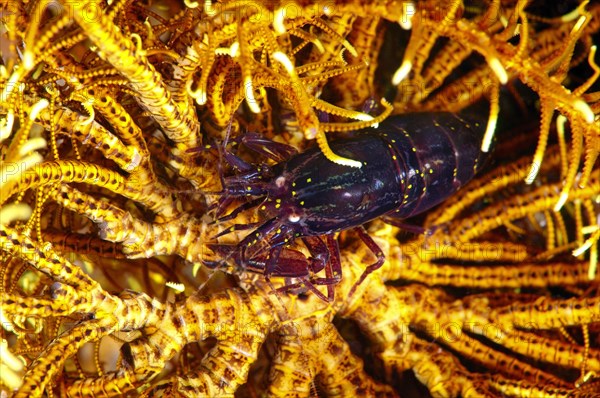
(22, 147)
(335, 369)
(116, 116)
(436, 369)
(450, 324)
(178, 120)
(418, 49)
(580, 117)
(547, 106)
(591, 150)
(280, 74)
(240, 322)
(73, 292)
(88, 132)
(143, 79)
(426, 31)
(137, 237)
(64, 121)
(356, 85)
(53, 356)
(552, 61)
(18, 158)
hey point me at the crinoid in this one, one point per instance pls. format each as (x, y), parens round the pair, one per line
(113, 116)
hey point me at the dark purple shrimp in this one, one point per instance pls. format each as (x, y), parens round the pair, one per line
(410, 163)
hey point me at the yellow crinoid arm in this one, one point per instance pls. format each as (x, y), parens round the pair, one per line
(324, 145)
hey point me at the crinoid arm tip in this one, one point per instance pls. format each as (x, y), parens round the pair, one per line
(489, 133)
(13, 212)
(402, 72)
(585, 110)
(32, 144)
(498, 69)
(561, 201)
(250, 99)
